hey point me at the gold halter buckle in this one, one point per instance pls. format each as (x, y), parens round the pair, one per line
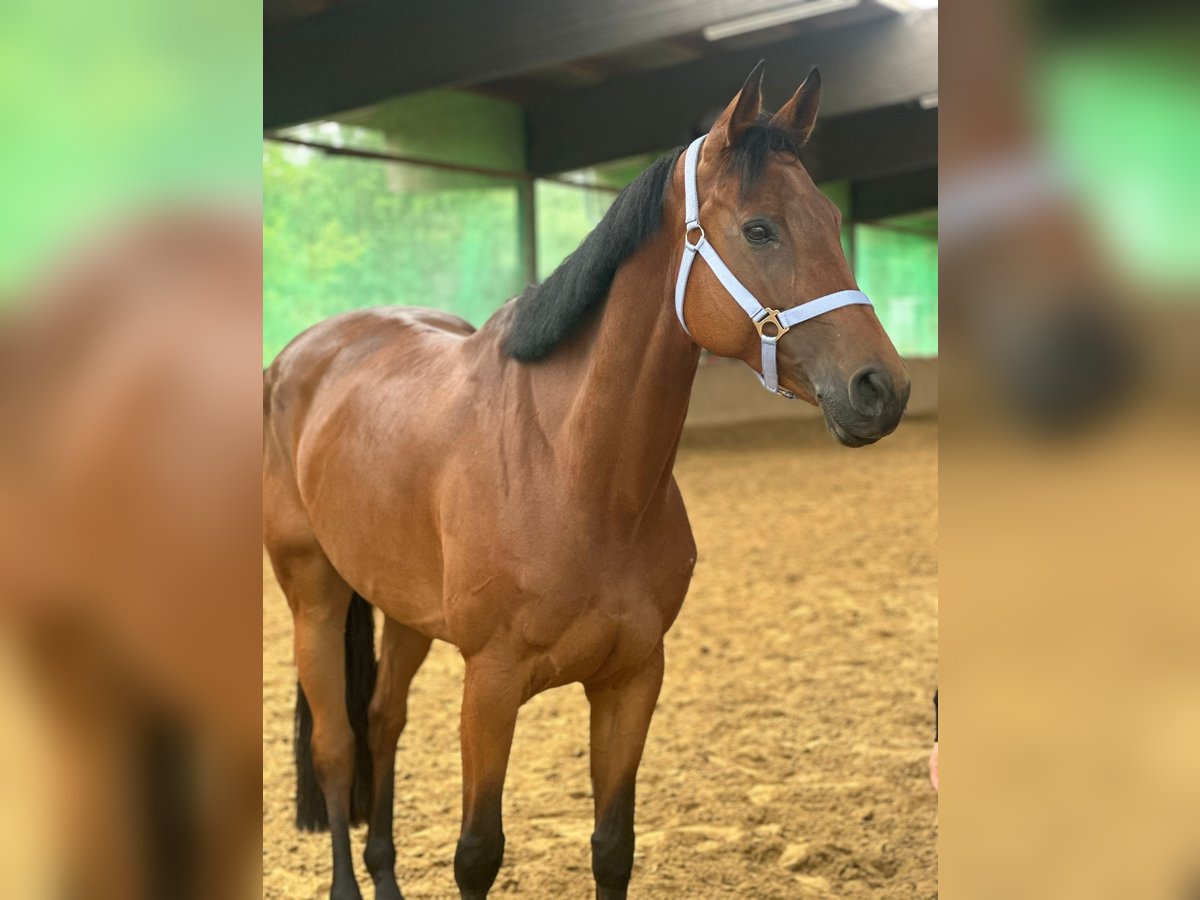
(771, 318)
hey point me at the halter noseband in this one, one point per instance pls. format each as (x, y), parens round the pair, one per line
(778, 321)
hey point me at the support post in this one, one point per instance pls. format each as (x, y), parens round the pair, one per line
(527, 229)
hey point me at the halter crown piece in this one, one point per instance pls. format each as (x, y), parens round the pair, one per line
(779, 322)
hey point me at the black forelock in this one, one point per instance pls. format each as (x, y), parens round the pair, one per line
(749, 157)
(546, 314)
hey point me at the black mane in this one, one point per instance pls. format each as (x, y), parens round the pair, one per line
(549, 312)
(546, 314)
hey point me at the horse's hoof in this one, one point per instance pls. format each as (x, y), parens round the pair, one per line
(388, 889)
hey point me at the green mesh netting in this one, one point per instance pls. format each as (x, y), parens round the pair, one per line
(341, 234)
(896, 264)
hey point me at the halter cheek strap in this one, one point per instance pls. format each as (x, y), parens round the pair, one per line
(772, 324)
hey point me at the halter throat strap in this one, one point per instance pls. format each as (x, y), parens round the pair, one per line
(771, 324)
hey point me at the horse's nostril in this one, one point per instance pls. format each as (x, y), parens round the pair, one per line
(869, 390)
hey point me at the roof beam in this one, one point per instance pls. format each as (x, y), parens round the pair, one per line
(872, 144)
(878, 63)
(894, 195)
(355, 54)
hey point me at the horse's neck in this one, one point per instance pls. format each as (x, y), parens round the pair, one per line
(635, 376)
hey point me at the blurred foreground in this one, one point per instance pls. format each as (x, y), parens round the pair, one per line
(128, 557)
(1070, 401)
(130, 343)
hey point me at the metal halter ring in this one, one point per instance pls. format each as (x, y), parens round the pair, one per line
(687, 231)
(771, 318)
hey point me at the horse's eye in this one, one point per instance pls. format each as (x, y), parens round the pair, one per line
(757, 234)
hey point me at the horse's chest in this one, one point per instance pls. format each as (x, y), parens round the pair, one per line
(586, 636)
(621, 604)
(583, 616)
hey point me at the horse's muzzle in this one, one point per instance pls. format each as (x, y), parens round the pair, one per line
(867, 408)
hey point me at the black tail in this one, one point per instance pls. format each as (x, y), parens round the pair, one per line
(311, 814)
(171, 805)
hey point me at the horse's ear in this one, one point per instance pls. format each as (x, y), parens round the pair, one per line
(799, 114)
(742, 111)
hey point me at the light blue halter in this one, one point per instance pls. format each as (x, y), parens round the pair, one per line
(762, 316)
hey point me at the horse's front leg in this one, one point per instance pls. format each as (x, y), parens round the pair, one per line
(491, 698)
(620, 719)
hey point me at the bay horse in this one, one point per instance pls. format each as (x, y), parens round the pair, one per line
(510, 490)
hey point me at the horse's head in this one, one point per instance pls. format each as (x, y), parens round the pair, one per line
(781, 238)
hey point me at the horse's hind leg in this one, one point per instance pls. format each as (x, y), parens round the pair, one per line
(320, 600)
(491, 698)
(402, 651)
(620, 720)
